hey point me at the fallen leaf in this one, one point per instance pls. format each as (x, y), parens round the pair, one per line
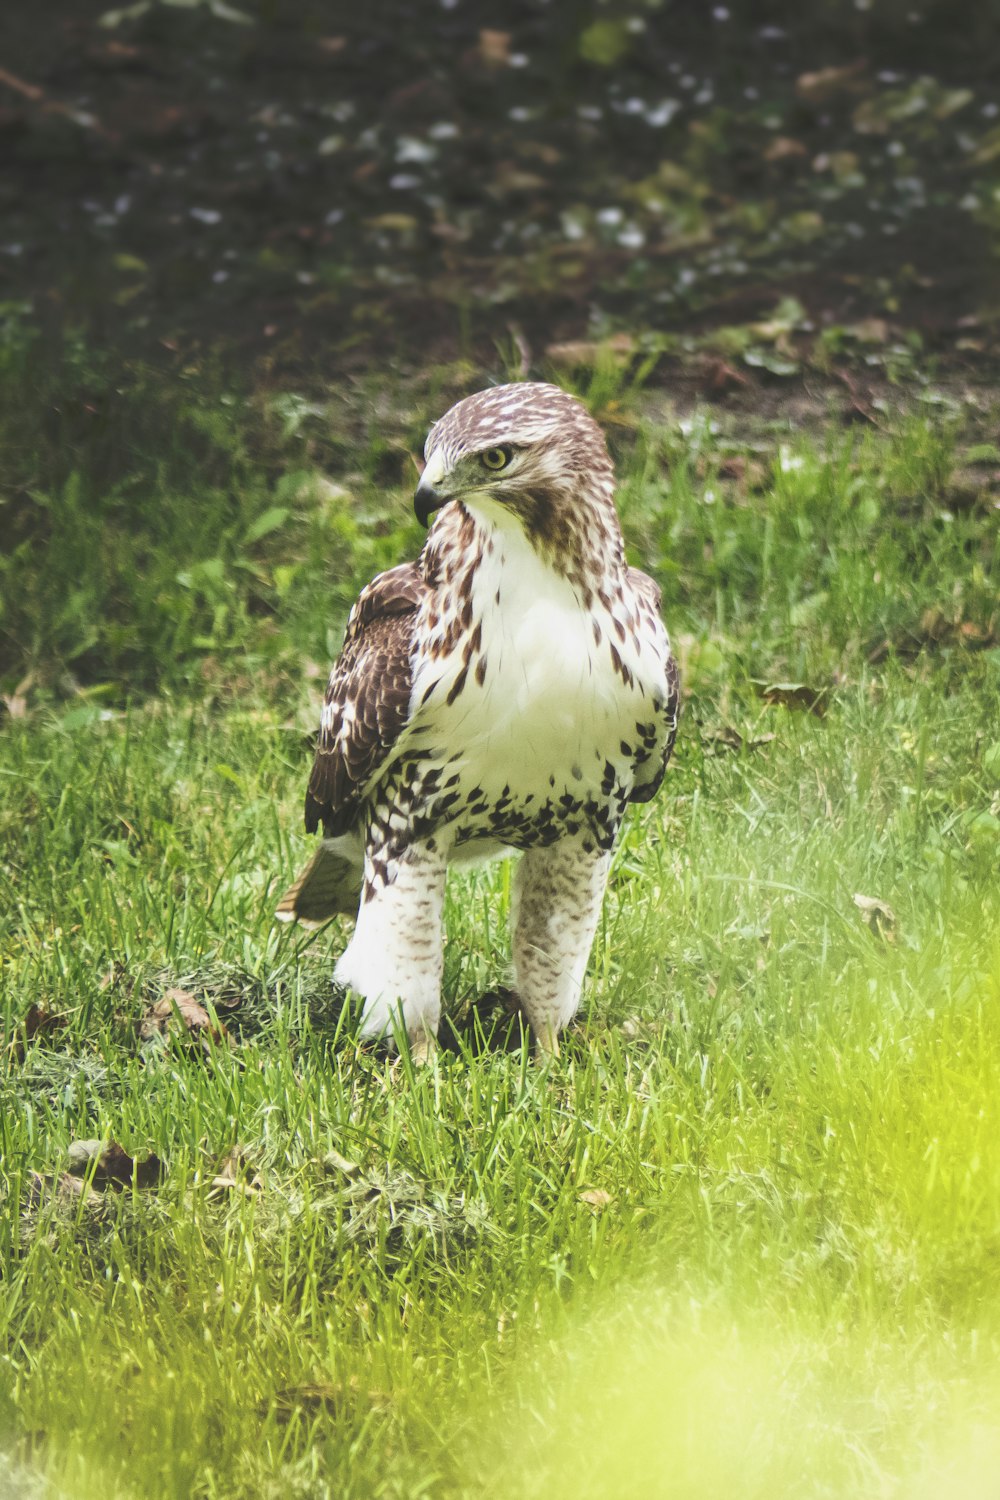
(231, 1175)
(178, 1013)
(936, 626)
(950, 101)
(870, 331)
(595, 1198)
(728, 738)
(861, 408)
(38, 1022)
(582, 352)
(338, 1163)
(784, 148)
(988, 149)
(494, 47)
(771, 361)
(826, 83)
(972, 487)
(393, 222)
(878, 115)
(840, 163)
(112, 1166)
(720, 377)
(974, 634)
(798, 696)
(749, 472)
(510, 178)
(879, 916)
(321, 1395)
(61, 1189)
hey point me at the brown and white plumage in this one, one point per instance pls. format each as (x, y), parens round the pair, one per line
(511, 690)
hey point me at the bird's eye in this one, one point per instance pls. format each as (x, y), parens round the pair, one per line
(495, 458)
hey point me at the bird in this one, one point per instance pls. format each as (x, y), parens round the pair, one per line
(512, 691)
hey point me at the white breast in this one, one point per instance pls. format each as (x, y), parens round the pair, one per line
(551, 702)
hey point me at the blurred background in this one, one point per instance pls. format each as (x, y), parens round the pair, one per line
(339, 185)
(249, 248)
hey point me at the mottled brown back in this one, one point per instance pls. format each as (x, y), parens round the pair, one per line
(367, 700)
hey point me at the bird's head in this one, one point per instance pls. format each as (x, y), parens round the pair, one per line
(527, 453)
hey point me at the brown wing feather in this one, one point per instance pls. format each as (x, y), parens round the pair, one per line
(367, 699)
(648, 593)
(647, 589)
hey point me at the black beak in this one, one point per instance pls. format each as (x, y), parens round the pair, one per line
(426, 500)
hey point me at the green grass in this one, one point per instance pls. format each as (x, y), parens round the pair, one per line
(742, 1239)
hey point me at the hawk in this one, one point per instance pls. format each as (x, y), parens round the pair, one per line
(511, 690)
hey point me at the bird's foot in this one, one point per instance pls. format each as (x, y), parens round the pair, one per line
(413, 1050)
(423, 1047)
(546, 1042)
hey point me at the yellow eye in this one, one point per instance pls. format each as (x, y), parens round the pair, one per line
(495, 458)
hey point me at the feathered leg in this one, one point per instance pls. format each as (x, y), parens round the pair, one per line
(394, 960)
(555, 908)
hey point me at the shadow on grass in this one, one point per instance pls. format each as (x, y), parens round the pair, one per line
(492, 1023)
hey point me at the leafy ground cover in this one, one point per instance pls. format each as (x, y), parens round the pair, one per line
(742, 1237)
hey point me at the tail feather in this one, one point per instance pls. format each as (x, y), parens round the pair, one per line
(329, 885)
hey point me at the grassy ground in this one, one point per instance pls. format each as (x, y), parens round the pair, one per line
(743, 1237)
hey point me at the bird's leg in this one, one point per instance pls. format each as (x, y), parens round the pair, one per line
(423, 1049)
(546, 1042)
(555, 908)
(394, 959)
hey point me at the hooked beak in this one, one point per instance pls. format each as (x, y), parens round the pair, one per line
(427, 499)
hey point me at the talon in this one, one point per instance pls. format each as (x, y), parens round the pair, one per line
(422, 1048)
